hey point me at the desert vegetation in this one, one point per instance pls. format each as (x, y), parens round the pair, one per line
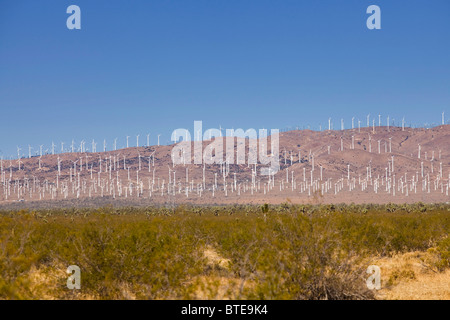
(217, 252)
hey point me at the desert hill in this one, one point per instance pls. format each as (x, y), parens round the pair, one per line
(371, 164)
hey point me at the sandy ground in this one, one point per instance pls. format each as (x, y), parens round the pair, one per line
(410, 277)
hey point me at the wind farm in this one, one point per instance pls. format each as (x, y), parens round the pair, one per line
(373, 164)
(392, 179)
(233, 151)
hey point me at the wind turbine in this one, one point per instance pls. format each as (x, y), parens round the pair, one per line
(19, 161)
(443, 122)
(137, 141)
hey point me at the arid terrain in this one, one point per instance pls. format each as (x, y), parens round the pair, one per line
(375, 165)
(279, 252)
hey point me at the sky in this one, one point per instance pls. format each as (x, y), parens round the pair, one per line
(150, 67)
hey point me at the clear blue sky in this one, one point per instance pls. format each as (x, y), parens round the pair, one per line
(139, 67)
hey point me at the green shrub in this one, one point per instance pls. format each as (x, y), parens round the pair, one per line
(296, 252)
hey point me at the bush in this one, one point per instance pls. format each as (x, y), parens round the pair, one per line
(296, 252)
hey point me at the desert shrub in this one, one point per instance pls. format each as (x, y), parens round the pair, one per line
(398, 275)
(442, 252)
(276, 252)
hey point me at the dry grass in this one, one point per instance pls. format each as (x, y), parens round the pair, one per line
(409, 277)
(214, 260)
(217, 288)
(219, 283)
(269, 252)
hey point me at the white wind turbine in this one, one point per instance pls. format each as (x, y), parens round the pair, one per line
(19, 161)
